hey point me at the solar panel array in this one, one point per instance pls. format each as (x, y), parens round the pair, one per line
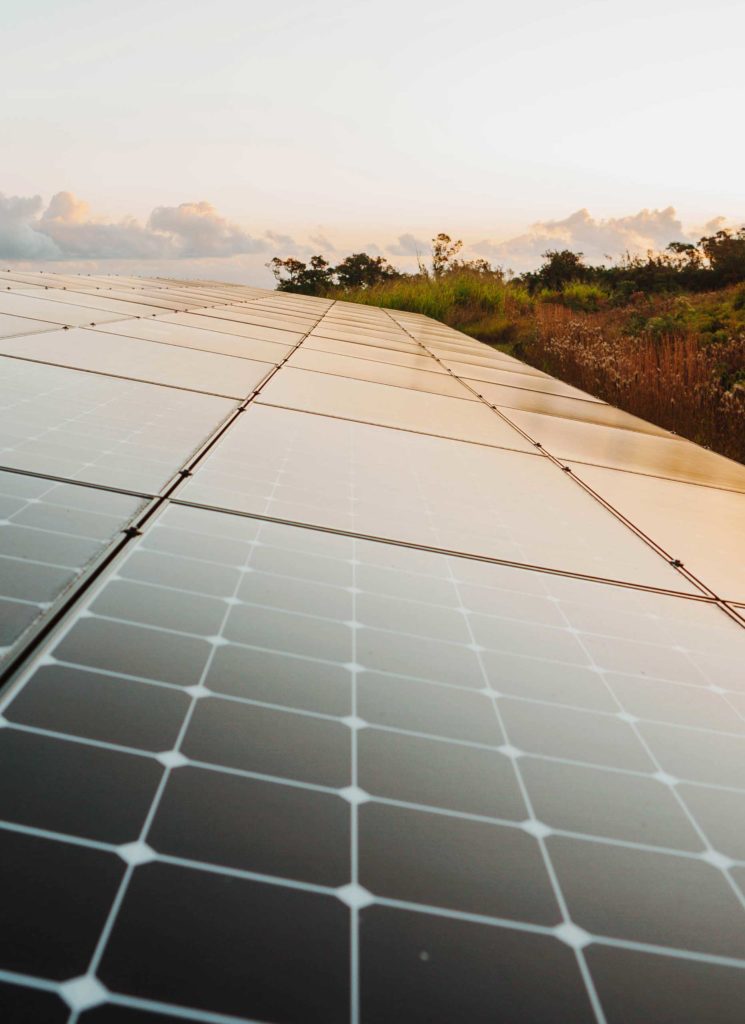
(356, 672)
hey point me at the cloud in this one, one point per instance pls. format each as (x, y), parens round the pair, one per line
(66, 230)
(599, 240)
(197, 229)
(322, 243)
(285, 241)
(408, 245)
(18, 238)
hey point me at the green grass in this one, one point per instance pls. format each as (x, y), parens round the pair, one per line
(483, 306)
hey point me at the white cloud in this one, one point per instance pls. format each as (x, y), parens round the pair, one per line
(600, 240)
(18, 237)
(66, 230)
(197, 229)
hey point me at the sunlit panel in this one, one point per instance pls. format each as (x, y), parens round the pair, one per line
(355, 673)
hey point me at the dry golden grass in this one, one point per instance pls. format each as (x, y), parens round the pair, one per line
(674, 380)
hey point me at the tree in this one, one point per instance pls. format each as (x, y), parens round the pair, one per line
(562, 266)
(293, 275)
(684, 255)
(725, 254)
(444, 250)
(362, 271)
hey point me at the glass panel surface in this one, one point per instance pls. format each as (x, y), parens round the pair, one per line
(338, 779)
(368, 332)
(453, 347)
(519, 379)
(194, 337)
(596, 413)
(383, 355)
(422, 489)
(141, 360)
(104, 430)
(393, 407)
(48, 534)
(132, 305)
(287, 732)
(12, 326)
(488, 358)
(381, 373)
(213, 323)
(704, 527)
(378, 340)
(53, 312)
(251, 317)
(265, 318)
(157, 302)
(630, 450)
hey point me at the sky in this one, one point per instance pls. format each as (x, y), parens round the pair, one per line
(201, 140)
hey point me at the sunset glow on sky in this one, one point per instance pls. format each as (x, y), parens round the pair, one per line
(318, 128)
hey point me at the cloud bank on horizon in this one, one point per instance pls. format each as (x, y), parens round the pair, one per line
(600, 241)
(65, 231)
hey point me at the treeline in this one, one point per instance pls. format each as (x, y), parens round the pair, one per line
(714, 262)
(318, 276)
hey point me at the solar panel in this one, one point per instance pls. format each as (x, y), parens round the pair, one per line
(338, 699)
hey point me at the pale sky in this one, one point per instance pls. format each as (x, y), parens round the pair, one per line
(361, 123)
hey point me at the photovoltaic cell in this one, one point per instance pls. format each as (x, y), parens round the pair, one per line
(363, 723)
(380, 373)
(372, 402)
(48, 533)
(54, 312)
(630, 450)
(132, 358)
(100, 429)
(197, 338)
(11, 326)
(702, 526)
(419, 489)
(508, 377)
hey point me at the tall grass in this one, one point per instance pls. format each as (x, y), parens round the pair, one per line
(674, 380)
(481, 305)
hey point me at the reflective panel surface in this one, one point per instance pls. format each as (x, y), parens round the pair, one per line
(517, 377)
(54, 312)
(420, 489)
(12, 326)
(632, 450)
(389, 406)
(198, 338)
(86, 426)
(596, 413)
(380, 373)
(346, 703)
(371, 352)
(141, 360)
(389, 749)
(702, 526)
(48, 533)
(243, 330)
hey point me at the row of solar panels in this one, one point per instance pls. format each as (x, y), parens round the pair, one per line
(334, 696)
